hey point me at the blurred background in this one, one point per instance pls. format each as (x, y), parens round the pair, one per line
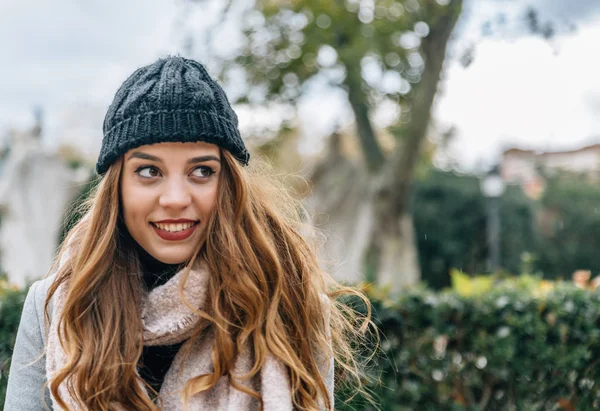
(449, 150)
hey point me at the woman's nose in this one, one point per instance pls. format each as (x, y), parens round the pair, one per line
(175, 195)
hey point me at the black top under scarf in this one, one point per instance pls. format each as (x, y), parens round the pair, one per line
(156, 360)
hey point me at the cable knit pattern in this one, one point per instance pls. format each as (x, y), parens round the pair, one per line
(167, 320)
(171, 100)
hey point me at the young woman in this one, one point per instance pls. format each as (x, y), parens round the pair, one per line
(187, 284)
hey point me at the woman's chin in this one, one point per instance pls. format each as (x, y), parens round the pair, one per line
(168, 258)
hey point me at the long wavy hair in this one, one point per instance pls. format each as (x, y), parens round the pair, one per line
(266, 290)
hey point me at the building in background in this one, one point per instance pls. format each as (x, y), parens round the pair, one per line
(523, 166)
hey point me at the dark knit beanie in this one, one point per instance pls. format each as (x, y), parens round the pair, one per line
(171, 100)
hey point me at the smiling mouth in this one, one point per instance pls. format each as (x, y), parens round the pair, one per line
(174, 227)
(175, 231)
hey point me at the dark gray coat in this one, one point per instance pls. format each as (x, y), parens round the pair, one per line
(27, 370)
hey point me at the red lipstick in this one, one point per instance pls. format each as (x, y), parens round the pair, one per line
(177, 221)
(176, 235)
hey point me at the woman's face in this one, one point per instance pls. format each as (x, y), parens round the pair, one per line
(168, 192)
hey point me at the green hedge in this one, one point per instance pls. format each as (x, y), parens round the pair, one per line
(520, 343)
(556, 233)
(523, 345)
(450, 218)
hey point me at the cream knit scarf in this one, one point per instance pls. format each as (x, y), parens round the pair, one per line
(168, 320)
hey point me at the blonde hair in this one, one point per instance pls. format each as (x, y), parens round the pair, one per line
(275, 298)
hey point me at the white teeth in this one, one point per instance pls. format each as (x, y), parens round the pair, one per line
(174, 227)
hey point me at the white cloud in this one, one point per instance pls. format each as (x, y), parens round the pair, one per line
(61, 52)
(523, 93)
(572, 11)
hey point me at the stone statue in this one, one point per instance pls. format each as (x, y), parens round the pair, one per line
(36, 187)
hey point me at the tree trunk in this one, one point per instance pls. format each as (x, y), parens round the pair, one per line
(398, 259)
(393, 241)
(363, 209)
(372, 153)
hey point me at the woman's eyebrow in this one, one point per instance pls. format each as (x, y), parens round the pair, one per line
(144, 156)
(202, 159)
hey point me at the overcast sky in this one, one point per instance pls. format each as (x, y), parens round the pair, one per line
(520, 90)
(525, 91)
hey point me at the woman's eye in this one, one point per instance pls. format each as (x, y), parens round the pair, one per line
(203, 172)
(147, 172)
